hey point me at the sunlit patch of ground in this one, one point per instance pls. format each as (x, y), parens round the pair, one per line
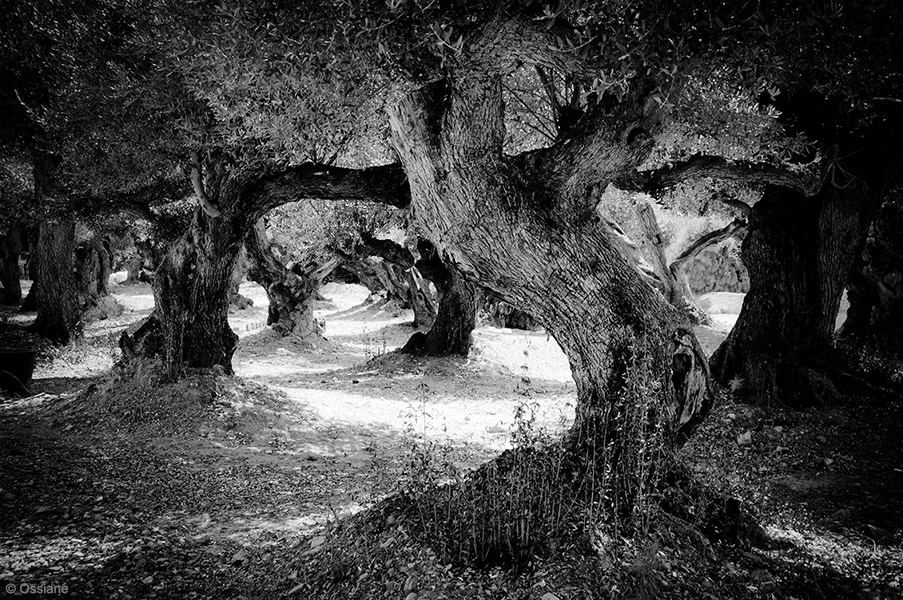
(119, 512)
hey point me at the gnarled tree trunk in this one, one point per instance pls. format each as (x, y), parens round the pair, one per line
(521, 228)
(191, 285)
(191, 294)
(799, 252)
(671, 283)
(450, 333)
(291, 292)
(874, 325)
(10, 248)
(59, 316)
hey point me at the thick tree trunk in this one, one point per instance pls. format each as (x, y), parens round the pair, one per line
(10, 248)
(874, 325)
(59, 316)
(132, 266)
(450, 333)
(291, 292)
(523, 232)
(798, 255)
(191, 294)
(799, 252)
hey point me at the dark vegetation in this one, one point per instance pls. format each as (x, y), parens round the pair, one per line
(567, 167)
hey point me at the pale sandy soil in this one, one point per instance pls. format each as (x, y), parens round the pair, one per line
(351, 406)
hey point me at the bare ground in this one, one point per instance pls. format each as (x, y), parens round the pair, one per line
(221, 488)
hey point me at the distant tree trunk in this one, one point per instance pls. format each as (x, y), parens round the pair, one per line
(93, 267)
(291, 292)
(236, 300)
(673, 285)
(425, 309)
(191, 284)
(451, 332)
(10, 248)
(59, 316)
(502, 314)
(874, 324)
(132, 265)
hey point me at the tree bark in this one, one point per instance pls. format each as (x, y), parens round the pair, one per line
(799, 253)
(191, 284)
(874, 324)
(10, 249)
(291, 292)
(236, 300)
(522, 228)
(455, 320)
(674, 287)
(93, 267)
(191, 294)
(59, 316)
(798, 256)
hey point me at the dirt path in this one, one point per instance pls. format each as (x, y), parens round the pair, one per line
(117, 513)
(219, 504)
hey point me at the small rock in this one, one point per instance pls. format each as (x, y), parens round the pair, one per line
(778, 429)
(410, 584)
(732, 416)
(745, 439)
(240, 557)
(549, 596)
(411, 596)
(821, 439)
(821, 461)
(317, 541)
(387, 543)
(355, 381)
(148, 580)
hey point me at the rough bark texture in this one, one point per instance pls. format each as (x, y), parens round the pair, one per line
(450, 333)
(291, 292)
(523, 227)
(10, 248)
(191, 294)
(191, 284)
(673, 285)
(236, 300)
(59, 316)
(798, 253)
(874, 325)
(93, 267)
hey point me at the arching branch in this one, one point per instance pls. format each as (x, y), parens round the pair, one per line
(386, 184)
(655, 182)
(736, 227)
